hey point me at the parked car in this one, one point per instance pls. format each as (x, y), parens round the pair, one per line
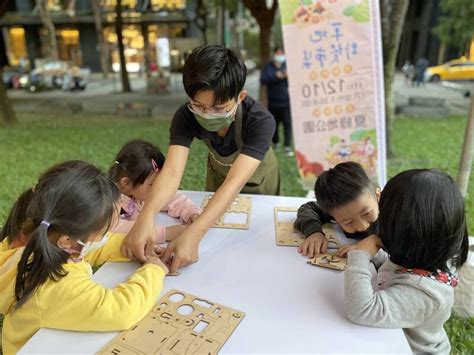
(457, 69)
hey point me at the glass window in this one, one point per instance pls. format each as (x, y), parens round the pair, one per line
(16, 45)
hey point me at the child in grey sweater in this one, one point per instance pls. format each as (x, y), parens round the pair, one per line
(422, 228)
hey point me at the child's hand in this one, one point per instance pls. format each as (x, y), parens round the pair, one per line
(193, 217)
(155, 259)
(315, 244)
(371, 245)
(159, 250)
(342, 251)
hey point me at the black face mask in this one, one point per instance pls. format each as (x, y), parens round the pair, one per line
(373, 229)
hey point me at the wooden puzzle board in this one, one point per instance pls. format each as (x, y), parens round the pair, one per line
(242, 204)
(179, 323)
(329, 261)
(286, 235)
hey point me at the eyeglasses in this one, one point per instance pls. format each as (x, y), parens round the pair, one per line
(200, 110)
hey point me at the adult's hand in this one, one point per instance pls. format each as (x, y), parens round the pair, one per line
(182, 251)
(140, 241)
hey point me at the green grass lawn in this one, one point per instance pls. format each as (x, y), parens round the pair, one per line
(36, 143)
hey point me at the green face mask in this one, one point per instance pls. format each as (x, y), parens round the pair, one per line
(213, 123)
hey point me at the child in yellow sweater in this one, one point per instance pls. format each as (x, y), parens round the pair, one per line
(47, 283)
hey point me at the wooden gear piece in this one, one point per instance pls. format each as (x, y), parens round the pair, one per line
(242, 204)
(330, 261)
(179, 323)
(285, 233)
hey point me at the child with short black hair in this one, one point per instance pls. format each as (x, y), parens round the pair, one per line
(423, 230)
(135, 169)
(47, 283)
(344, 194)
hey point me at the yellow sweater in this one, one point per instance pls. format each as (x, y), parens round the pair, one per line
(75, 302)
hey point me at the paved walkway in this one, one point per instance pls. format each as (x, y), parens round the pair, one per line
(104, 97)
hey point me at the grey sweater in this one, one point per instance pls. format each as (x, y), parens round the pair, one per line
(417, 304)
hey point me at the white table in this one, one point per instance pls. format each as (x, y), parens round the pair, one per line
(290, 306)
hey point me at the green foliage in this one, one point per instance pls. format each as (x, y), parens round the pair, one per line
(456, 26)
(461, 335)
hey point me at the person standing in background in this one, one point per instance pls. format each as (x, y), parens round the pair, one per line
(274, 76)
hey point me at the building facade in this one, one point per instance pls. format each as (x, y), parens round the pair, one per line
(25, 39)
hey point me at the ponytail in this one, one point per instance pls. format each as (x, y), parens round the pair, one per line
(40, 260)
(16, 218)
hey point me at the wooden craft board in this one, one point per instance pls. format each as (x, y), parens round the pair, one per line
(286, 235)
(179, 323)
(242, 204)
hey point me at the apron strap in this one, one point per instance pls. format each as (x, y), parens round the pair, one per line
(238, 128)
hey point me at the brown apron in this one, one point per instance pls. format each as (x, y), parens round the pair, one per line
(265, 180)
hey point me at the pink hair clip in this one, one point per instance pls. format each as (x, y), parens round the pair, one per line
(155, 166)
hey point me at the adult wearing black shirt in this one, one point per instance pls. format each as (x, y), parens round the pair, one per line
(238, 132)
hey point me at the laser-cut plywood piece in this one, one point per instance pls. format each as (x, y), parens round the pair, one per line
(331, 235)
(179, 323)
(242, 204)
(286, 235)
(329, 261)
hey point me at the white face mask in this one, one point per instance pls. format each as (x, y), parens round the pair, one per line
(280, 59)
(90, 246)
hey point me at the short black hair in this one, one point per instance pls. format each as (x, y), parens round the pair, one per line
(341, 185)
(134, 160)
(278, 48)
(422, 221)
(217, 68)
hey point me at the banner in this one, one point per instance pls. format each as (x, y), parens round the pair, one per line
(334, 62)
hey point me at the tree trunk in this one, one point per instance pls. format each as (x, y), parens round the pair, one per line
(441, 53)
(103, 46)
(123, 65)
(265, 17)
(466, 156)
(220, 23)
(425, 29)
(49, 25)
(7, 115)
(265, 33)
(200, 20)
(392, 19)
(146, 49)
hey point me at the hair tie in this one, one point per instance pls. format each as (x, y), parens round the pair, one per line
(117, 162)
(45, 223)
